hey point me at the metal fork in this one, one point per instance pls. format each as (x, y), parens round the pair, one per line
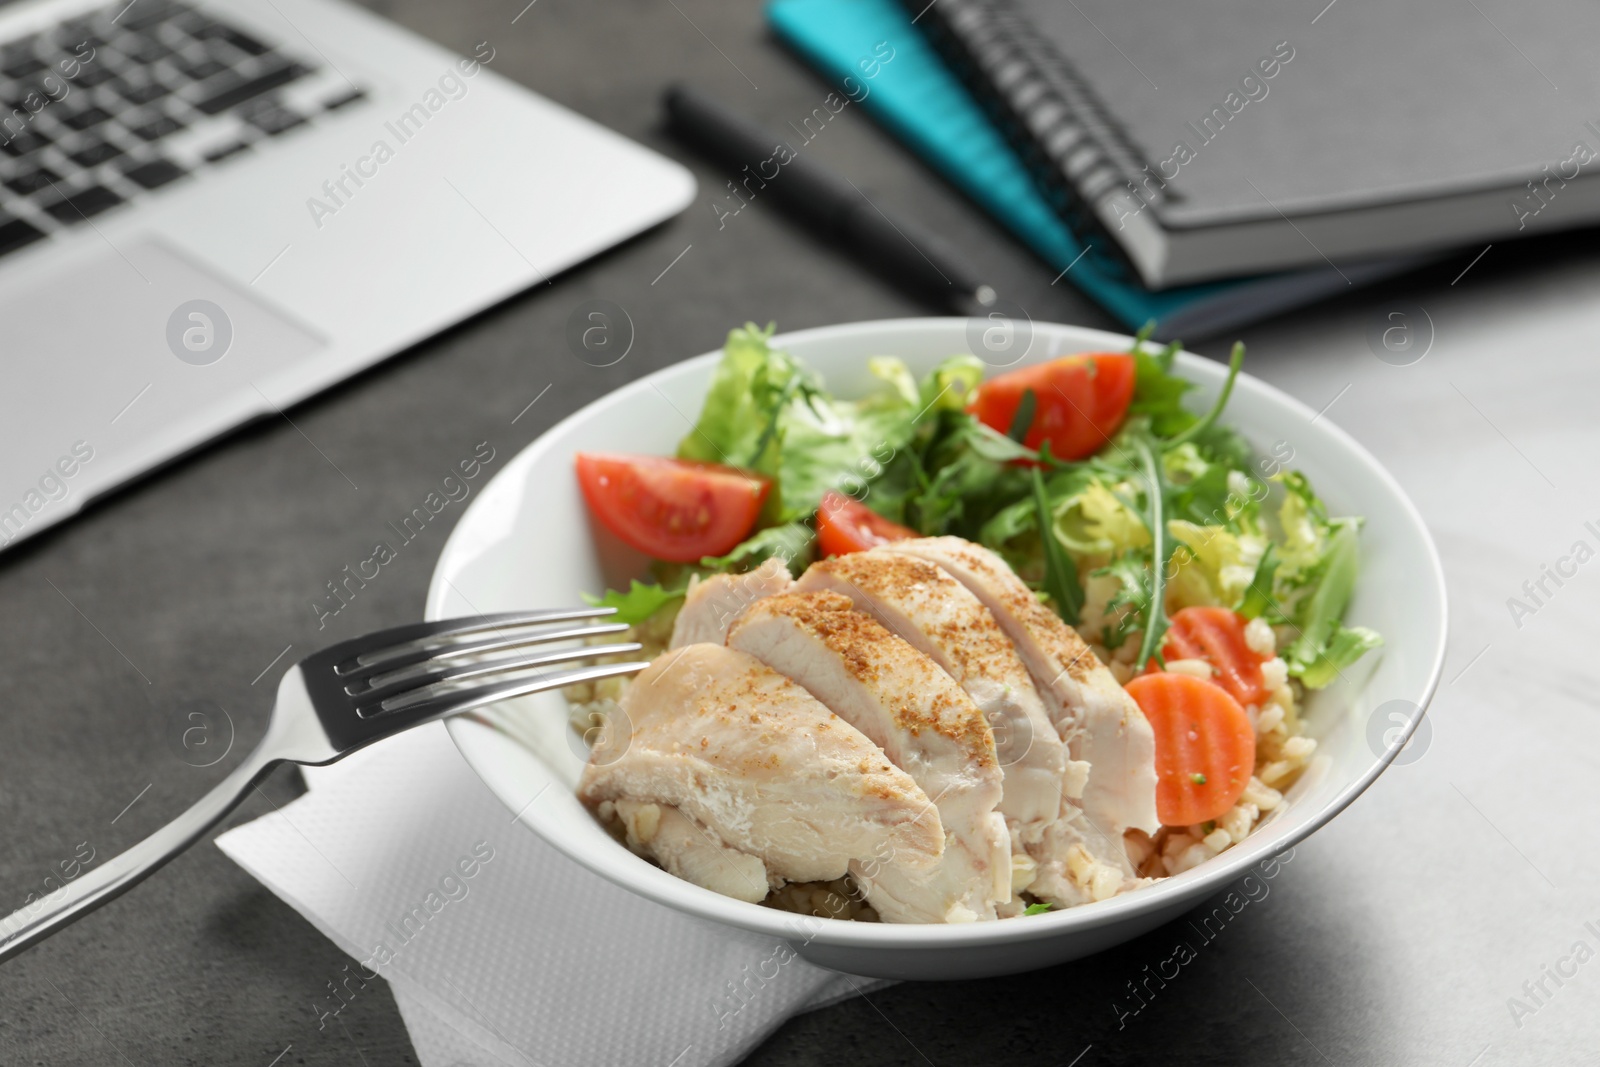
(341, 699)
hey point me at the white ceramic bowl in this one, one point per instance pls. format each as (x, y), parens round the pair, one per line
(527, 541)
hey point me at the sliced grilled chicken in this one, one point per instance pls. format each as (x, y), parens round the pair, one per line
(711, 604)
(1098, 720)
(941, 618)
(923, 721)
(690, 851)
(749, 756)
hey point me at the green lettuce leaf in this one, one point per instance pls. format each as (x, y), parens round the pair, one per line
(973, 477)
(1344, 646)
(793, 542)
(766, 413)
(949, 385)
(641, 601)
(1323, 558)
(1257, 600)
(740, 421)
(1158, 393)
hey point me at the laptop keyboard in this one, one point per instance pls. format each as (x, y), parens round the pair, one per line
(106, 107)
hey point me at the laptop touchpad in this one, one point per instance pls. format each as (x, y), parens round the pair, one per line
(136, 351)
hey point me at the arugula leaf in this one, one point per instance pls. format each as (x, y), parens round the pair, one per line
(1132, 571)
(1195, 429)
(1022, 419)
(636, 605)
(1154, 620)
(1060, 573)
(1036, 909)
(974, 477)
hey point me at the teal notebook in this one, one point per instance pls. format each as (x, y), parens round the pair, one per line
(918, 99)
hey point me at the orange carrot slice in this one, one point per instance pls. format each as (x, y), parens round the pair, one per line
(1217, 636)
(1205, 745)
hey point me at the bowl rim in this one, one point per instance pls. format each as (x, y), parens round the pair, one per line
(1166, 894)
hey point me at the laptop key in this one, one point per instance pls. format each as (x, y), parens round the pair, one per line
(28, 97)
(15, 234)
(200, 70)
(88, 118)
(21, 65)
(32, 180)
(271, 118)
(345, 100)
(157, 128)
(83, 204)
(93, 74)
(18, 61)
(227, 151)
(154, 174)
(191, 22)
(77, 32)
(141, 92)
(141, 49)
(24, 143)
(95, 153)
(240, 40)
(235, 90)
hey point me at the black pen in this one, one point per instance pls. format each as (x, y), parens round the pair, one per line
(767, 168)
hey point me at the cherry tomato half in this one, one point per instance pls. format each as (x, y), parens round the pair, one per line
(671, 509)
(845, 525)
(1080, 401)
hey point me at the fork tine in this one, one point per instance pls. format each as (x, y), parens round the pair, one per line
(388, 686)
(421, 650)
(400, 640)
(456, 701)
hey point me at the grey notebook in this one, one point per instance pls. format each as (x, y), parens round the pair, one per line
(1225, 137)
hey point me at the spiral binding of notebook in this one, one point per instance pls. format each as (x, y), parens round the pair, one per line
(1060, 127)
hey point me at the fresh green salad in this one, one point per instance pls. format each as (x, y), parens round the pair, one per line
(1089, 474)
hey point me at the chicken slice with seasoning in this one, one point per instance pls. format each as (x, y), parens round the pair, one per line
(1098, 720)
(923, 721)
(711, 604)
(739, 763)
(941, 618)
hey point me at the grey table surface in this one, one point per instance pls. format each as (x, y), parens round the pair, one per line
(1408, 931)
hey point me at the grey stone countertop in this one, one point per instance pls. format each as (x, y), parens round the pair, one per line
(1422, 926)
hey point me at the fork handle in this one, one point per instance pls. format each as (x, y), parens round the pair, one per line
(40, 918)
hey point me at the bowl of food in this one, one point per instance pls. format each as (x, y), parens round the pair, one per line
(959, 666)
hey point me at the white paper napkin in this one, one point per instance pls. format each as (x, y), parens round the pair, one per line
(500, 950)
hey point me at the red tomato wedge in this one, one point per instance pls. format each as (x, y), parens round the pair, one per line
(1217, 636)
(1205, 745)
(1080, 401)
(845, 525)
(671, 509)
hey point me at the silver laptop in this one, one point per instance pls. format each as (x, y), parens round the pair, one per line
(209, 211)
